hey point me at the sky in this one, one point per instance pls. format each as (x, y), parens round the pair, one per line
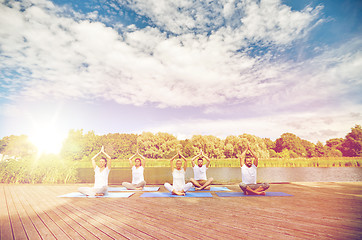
(183, 67)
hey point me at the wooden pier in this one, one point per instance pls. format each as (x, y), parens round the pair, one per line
(315, 211)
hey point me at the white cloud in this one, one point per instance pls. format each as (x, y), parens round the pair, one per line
(80, 58)
(313, 127)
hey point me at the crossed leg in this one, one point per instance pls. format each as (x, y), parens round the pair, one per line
(201, 184)
(254, 189)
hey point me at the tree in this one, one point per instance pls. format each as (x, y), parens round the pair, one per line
(291, 142)
(269, 143)
(17, 146)
(352, 145)
(319, 149)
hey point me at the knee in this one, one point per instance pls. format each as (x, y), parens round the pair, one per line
(265, 186)
(242, 186)
(211, 179)
(192, 180)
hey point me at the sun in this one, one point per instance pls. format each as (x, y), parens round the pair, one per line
(47, 140)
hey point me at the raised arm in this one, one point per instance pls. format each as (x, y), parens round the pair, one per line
(130, 159)
(171, 162)
(109, 159)
(242, 157)
(255, 157)
(207, 160)
(194, 158)
(94, 160)
(143, 159)
(185, 160)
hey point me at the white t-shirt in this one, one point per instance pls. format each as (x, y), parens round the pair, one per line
(178, 179)
(248, 175)
(200, 172)
(137, 174)
(101, 178)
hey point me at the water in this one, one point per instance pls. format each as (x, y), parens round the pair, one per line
(160, 175)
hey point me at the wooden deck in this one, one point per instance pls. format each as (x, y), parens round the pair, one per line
(316, 211)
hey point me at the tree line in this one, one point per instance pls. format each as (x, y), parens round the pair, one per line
(80, 146)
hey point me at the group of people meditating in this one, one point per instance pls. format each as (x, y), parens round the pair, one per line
(248, 164)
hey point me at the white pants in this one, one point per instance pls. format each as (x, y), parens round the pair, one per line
(185, 188)
(131, 186)
(92, 191)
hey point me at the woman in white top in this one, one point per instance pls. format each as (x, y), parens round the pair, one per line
(179, 187)
(101, 173)
(138, 181)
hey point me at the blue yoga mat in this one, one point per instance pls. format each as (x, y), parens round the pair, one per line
(167, 194)
(212, 189)
(108, 195)
(123, 189)
(241, 194)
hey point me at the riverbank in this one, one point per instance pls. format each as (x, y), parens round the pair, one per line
(315, 211)
(234, 162)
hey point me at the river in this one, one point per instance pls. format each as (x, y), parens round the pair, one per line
(232, 175)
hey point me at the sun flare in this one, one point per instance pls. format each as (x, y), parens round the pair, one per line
(47, 140)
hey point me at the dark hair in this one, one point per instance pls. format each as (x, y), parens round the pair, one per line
(105, 159)
(139, 159)
(200, 159)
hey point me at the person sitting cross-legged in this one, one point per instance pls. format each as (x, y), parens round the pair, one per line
(179, 187)
(138, 181)
(248, 175)
(200, 181)
(101, 173)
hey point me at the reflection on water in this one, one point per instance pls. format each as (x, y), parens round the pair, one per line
(160, 175)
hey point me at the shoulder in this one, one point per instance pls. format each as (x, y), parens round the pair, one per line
(254, 166)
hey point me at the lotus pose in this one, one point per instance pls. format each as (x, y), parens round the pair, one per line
(200, 180)
(138, 181)
(179, 187)
(101, 173)
(248, 172)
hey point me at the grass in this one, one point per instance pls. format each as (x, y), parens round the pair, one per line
(270, 162)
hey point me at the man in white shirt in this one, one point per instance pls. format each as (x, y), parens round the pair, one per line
(200, 180)
(248, 175)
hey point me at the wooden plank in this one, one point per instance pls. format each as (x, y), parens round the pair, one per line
(46, 227)
(79, 227)
(16, 224)
(108, 216)
(313, 213)
(5, 228)
(29, 227)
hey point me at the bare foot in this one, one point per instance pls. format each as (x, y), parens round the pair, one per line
(198, 189)
(99, 194)
(261, 193)
(207, 188)
(139, 188)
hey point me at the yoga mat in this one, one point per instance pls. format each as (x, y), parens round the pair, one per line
(212, 189)
(121, 189)
(167, 194)
(241, 194)
(108, 195)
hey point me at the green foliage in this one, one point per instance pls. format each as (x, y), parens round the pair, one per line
(19, 146)
(352, 146)
(46, 169)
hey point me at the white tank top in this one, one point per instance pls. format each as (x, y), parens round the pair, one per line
(101, 178)
(178, 179)
(137, 174)
(248, 175)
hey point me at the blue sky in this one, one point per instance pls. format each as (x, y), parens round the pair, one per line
(183, 67)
